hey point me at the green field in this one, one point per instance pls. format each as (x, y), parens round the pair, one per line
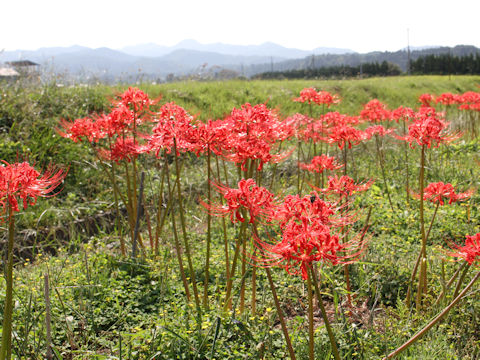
(107, 306)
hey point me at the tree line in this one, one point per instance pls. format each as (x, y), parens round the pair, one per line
(384, 68)
(445, 64)
(439, 64)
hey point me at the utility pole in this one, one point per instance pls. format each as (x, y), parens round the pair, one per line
(449, 63)
(408, 52)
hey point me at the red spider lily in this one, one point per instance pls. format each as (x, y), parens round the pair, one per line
(345, 135)
(299, 123)
(305, 212)
(136, 99)
(470, 101)
(80, 129)
(470, 252)
(439, 192)
(376, 130)
(252, 133)
(315, 131)
(428, 129)
(123, 149)
(448, 99)
(258, 122)
(118, 121)
(321, 163)
(122, 118)
(256, 200)
(310, 95)
(306, 237)
(211, 136)
(257, 149)
(173, 125)
(402, 113)
(334, 118)
(375, 111)
(22, 181)
(426, 99)
(345, 186)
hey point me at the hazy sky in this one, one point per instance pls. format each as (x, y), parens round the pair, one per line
(305, 24)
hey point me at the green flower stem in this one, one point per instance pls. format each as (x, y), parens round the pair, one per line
(450, 282)
(299, 145)
(244, 270)
(382, 167)
(117, 208)
(275, 166)
(238, 244)
(184, 229)
(224, 228)
(311, 339)
(460, 280)
(277, 303)
(346, 271)
(422, 280)
(116, 190)
(444, 312)
(158, 229)
(280, 315)
(161, 219)
(178, 250)
(209, 236)
(407, 175)
(331, 336)
(130, 204)
(431, 222)
(415, 268)
(5, 351)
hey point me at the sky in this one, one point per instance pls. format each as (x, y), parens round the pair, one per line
(362, 26)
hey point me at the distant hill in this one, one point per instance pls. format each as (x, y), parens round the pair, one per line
(154, 62)
(267, 49)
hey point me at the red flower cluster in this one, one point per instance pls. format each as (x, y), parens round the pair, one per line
(376, 130)
(209, 136)
(307, 235)
(132, 110)
(321, 163)
(22, 181)
(402, 113)
(310, 95)
(344, 186)
(345, 135)
(136, 99)
(428, 129)
(470, 101)
(426, 100)
(252, 134)
(470, 252)
(173, 126)
(439, 192)
(123, 149)
(448, 99)
(334, 118)
(257, 200)
(120, 120)
(81, 129)
(375, 111)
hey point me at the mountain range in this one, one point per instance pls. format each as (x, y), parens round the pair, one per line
(191, 58)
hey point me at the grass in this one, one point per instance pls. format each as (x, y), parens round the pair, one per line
(105, 306)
